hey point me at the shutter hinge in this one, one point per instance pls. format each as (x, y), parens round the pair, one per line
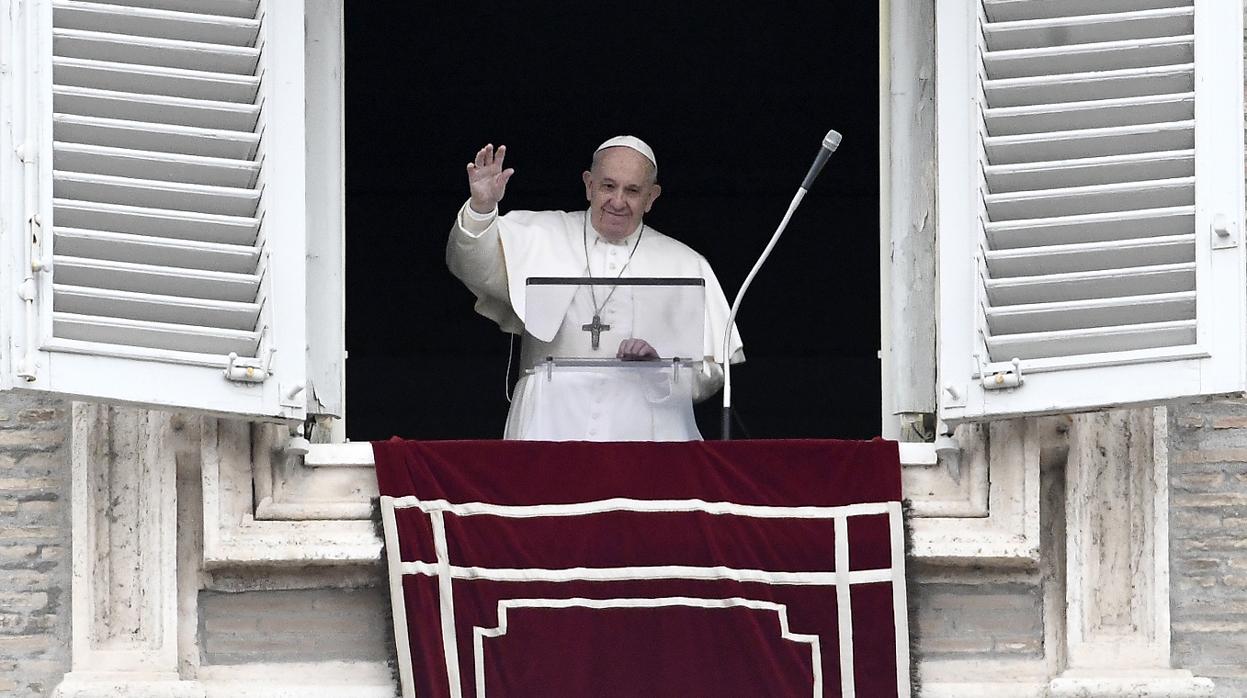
(28, 290)
(999, 376)
(1224, 232)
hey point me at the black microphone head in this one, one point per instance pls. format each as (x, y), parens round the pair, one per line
(832, 140)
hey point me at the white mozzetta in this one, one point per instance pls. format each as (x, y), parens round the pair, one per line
(164, 155)
(1090, 204)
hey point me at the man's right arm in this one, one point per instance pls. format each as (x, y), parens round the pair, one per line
(474, 254)
(474, 250)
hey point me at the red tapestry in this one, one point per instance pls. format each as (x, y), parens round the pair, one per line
(741, 568)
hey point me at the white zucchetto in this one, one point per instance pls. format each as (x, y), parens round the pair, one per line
(634, 143)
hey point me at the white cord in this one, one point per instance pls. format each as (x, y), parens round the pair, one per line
(506, 380)
(731, 317)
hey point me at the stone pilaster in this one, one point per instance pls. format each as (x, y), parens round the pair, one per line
(1117, 561)
(125, 619)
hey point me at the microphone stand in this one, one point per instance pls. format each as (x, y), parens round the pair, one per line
(731, 317)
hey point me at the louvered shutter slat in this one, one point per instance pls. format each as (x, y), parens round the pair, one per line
(1082, 172)
(1073, 229)
(167, 82)
(171, 167)
(1112, 55)
(160, 24)
(1099, 198)
(187, 140)
(1123, 140)
(153, 278)
(1007, 10)
(81, 300)
(1074, 116)
(146, 249)
(1084, 28)
(155, 109)
(1118, 254)
(245, 9)
(166, 53)
(1088, 341)
(154, 335)
(226, 201)
(1076, 87)
(188, 225)
(1106, 283)
(1095, 312)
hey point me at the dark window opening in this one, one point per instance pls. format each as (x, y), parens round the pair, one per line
(735, 104)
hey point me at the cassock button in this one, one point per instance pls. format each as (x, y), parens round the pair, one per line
(593, 432)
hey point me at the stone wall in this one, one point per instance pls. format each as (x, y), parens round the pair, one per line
(1208, 548)
(34, 545)
(301, 625)
(974, 615)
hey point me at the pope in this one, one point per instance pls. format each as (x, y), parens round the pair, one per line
(494, 256)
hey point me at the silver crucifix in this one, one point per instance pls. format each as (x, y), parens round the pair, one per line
(595, 330)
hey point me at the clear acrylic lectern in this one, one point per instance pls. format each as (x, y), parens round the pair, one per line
(578, 385)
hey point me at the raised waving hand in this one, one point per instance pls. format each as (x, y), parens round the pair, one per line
(486, 178)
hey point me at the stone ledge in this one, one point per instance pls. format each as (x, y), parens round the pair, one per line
(112, 685)
(299, 680)
(1174, 683)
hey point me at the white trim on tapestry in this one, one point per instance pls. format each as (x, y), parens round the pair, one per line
(844, 607)
(900, 608)
(394, 571)
(446, 600)
(641, 572)
(785, 632)
(602, 506)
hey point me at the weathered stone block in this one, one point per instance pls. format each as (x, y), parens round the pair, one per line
(19, 439)
(23, 602)
(30, 533)
(41, 415)
(24, 645)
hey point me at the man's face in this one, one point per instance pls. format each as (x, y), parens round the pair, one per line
(620, 190)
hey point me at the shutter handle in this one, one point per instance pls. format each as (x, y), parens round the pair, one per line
(1224, 232)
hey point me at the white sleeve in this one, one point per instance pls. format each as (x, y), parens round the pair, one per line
(474, 254)
(707, 381)
(474, 224)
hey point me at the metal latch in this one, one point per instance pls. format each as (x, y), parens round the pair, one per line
(242, 370)
(1000, 376)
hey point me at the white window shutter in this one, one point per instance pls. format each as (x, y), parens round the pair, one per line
(168, 178)
(1090, 204)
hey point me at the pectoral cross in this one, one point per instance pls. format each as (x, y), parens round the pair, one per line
(595, 330)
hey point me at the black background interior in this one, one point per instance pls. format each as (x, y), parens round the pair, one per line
(734, 100)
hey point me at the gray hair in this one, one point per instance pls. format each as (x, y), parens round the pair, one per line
(650, 167)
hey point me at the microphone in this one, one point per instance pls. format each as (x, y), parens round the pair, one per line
(830, 142)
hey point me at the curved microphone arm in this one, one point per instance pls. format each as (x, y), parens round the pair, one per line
(731, 317)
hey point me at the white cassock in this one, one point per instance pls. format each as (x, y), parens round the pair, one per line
(494, 256)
